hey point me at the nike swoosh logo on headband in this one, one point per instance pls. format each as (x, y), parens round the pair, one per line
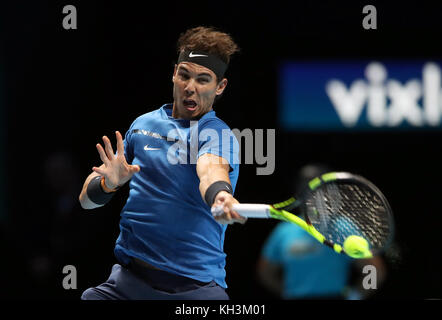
(192, 55)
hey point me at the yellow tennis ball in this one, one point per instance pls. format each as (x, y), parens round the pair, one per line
(357, 247)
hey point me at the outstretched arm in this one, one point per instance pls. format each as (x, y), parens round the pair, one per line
(211, 168)
(115, 170)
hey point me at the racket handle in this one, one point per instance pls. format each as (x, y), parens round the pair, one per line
(247, 210)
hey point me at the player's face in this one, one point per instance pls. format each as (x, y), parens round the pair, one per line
(194, 90)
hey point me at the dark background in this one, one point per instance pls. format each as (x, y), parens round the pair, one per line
(62, 90)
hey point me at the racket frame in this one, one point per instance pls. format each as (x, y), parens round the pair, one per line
(281, 210)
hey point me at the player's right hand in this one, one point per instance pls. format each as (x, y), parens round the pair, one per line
(225, 201)
(115, 168)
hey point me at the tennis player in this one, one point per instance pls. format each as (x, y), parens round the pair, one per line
(170, 246)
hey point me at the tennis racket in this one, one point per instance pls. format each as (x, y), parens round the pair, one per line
(341, 210)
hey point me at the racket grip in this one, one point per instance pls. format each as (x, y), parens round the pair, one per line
(247, 210)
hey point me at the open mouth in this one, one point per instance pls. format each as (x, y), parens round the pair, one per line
(189, 104)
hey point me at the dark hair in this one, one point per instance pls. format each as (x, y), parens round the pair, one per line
(210, 40)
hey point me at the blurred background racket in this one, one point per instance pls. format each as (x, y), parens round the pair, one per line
(342, 210)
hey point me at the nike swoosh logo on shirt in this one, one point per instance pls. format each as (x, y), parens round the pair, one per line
(191, 55)
(146, 147)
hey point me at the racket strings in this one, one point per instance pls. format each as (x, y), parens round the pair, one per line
(341, 210)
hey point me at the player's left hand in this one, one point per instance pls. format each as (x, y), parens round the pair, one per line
(229, 216)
